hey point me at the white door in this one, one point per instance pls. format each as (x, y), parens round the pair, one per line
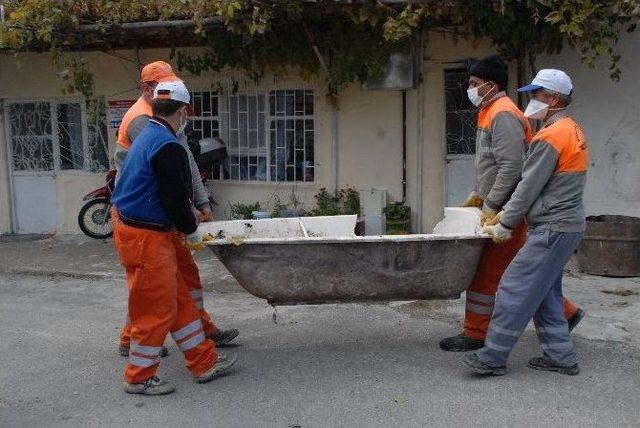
(44, 137)
(461, 118)
(461, 177)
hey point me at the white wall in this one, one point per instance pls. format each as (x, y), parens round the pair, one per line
(369, 130)
(609, 112)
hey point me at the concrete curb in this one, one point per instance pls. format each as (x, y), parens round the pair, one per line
(60, 274)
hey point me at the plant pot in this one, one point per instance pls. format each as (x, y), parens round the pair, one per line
(398, 227)
(260, 215)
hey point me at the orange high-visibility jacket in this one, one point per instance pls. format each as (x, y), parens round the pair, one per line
(501, 143)
(553, 180)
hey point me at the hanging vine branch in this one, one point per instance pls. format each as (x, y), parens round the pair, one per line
(354, 40)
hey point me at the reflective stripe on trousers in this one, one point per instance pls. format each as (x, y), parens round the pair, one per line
(479, 303)
(189, 336)
(144, 356)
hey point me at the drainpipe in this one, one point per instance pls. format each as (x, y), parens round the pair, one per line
(334, 145)
(404, 146)
(10, 200)
(419, 154)
(419, 134)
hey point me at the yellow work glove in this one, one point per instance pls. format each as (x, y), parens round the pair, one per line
(498, 232)
(196, 240)
(492, 221)
(487, 214)
(473, 200)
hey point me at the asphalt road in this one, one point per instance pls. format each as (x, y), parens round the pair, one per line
(319, 366)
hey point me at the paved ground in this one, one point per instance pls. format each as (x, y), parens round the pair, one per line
(331, 365)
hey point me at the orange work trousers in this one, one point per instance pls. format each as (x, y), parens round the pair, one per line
(481, 294)
(159, 303)
(189, 272)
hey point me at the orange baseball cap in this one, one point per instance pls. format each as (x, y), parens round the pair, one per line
(158, 71)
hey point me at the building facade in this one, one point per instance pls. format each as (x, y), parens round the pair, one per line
(286, 139)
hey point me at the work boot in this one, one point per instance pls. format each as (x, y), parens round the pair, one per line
(460, 343)
(546, 363)
(151, 386)
(222, 366)
(223, 337)
(478, 366)
(575, 319)
(123, 350)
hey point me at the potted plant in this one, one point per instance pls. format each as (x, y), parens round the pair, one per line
(398, 218)
(342, 202)
(240, 211)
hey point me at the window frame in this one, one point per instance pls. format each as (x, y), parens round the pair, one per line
(454, 67)
(53, 103)
(223, 99)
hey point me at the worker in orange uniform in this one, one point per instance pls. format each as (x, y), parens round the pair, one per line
(152, 198)
(134, 121)
(501, 142)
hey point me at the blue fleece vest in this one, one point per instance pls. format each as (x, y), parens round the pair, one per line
(137, 195)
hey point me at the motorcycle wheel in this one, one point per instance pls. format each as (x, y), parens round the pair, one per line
(94, 218)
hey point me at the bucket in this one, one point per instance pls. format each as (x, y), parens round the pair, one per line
(260, 215)
(611, 246)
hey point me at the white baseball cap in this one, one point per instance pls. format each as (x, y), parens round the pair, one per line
(553, 80)
(175, 90)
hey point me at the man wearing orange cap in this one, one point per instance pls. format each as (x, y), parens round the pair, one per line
(134, 121)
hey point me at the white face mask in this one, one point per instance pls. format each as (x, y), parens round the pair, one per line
(536, 109)
(472, 93)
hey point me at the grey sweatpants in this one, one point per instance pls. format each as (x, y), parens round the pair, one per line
(532, 287)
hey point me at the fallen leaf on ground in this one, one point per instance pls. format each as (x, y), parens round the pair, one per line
(400, 399)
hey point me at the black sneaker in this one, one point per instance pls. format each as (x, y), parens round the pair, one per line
(478, 366)
(222, 366)
(460, 343)
(151, 386)
(573, 322)
(123, 350)
(546, 363)
(223, 337)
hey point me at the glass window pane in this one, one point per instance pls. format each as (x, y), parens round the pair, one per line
(31, 139)
(460, 114)
(98, 140)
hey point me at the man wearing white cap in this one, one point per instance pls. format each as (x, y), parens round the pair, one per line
(153, 199)
(133, 123)
(549, 197)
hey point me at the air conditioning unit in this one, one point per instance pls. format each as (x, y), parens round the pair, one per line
(401, 73)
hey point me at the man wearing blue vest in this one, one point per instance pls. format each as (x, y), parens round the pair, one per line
(152, 201)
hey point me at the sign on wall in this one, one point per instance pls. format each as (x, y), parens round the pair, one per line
(116, 111)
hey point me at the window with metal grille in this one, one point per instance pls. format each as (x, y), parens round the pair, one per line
(57, 135)
(269, 136)
(461, 115)
(291, 135)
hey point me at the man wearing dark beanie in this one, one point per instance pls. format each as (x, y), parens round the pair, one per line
(501, 142)
(492, 69)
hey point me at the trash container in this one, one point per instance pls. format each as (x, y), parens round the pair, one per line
(611, 246)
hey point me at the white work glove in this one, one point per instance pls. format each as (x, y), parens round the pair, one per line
(498, 232)
(196, 240)
(473, 200)
(487, 215)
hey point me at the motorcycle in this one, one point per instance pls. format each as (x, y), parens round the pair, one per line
(94, 217)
